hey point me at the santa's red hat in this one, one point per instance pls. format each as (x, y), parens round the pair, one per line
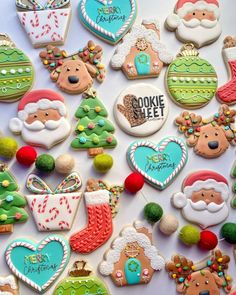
(185, 6)
(204, 179)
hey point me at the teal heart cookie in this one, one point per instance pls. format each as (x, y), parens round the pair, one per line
(108, 19)
(159, 163)
(38, 265)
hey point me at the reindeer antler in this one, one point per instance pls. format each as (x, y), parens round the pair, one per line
(52, 57)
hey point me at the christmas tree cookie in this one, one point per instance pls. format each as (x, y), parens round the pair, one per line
(94, 131)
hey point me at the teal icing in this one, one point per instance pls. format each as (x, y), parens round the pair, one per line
(133, 271)
(143, 63)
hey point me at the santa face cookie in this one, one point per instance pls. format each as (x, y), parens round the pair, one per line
(132, 258)
(44, 24)
(16, 71)
(190, 80)
(203, 199)
(196, 21)
(141, 54)
(110, 20)
(9, 286)
(141, 109)
(209, 138)
(41, 119)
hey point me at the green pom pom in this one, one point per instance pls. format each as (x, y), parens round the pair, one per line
(153, 212)
(45, 163)
(103, 163)
(228, 232)
(8, 147)
(189, 235)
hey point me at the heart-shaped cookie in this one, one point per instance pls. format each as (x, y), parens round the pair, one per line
(108, 19)
(159, 163)
(38, 265)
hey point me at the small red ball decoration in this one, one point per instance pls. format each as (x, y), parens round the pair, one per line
(134, 182)
(208, 240)
(26, 155)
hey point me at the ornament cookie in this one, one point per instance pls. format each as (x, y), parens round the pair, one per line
(109, 20)
(206, 277)
(54, 210)
(203, 199)
(44, 24)
(74, 73)
(38, 265)
(141, 109)
(94, 131)
(16, 71)
(132, 258)
(190, 80)
(209, 138)
(9, 286)
(12, 203)
(227, 93)
(196, 21)
(141, 53)
(158, 163)
(81, 281)
(41, 119)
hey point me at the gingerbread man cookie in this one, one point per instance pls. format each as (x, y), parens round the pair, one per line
(9, 286)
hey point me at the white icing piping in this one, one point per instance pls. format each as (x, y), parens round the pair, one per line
(9, 280)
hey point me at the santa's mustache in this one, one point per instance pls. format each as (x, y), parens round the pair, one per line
(201, 205)
(38, 125)
(193, 23)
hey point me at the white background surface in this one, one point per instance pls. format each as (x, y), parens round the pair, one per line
(131, 206)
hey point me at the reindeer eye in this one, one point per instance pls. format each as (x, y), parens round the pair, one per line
(35, 116)
(206, 136)
(194, 13)
(46, 114)
(206, 282)
(203, 195)
(197, 284)
(212, 196)
(68, 69)
(77, 69)
(216, 134)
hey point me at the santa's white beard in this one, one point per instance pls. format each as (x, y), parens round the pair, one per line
(199, 32)
(204, 215)
(38, 134)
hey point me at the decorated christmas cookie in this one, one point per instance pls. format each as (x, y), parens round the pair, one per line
(132, 258)
(141, 54)
(110, 20)
(210, 138)
(203, 199)
(191, 81)
(9, 286)
(227, 93)
(44, 24)
(196, 21)
(16, 71)
(81, 281)
(206, 277)
(141, 109)
(94, 131)
(233, 175)
(74, 73)
(54, 210)
(12, 203)
(158, 163)
(41, 119)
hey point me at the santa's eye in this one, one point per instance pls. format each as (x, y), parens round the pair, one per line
(194, 13)
(206, 136)
(212, 196)
(77, 69)
(216, 134)
(197, 284)
(203, 14)
(206, 282)
(203, 195)
(68, 69)
(35, 116)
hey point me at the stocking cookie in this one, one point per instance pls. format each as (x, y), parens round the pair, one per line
(141, 54)
(203, 199)
(9, 286)
(16, 71)
(191, 81)
(141, 109)
(196, 21)
(206, 277)
(209, 138)
(44, 24)
(54, 210)
(41, 119)
(132, 258)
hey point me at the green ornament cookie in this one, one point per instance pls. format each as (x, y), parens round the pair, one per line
(16, 71)
(191, 81)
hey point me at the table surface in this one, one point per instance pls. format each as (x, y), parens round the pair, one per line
(131, 207)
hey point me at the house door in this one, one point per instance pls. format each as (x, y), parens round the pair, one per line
(143, 63)
(133, 271)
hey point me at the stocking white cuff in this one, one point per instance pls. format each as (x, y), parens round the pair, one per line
(97, 197)
(230, 53)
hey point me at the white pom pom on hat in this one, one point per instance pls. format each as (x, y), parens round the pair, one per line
(15, 125)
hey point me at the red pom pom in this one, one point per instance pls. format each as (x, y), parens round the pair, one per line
(134, 182)
(208, 240)
(26, 155)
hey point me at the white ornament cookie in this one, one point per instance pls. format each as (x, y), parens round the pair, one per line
(141, 109)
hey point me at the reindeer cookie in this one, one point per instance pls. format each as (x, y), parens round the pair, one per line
(204, 278)
(9, 286)
(210, 138)
(74, 73)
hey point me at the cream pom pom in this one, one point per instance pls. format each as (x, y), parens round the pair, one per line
(168, 224)
(64, 164)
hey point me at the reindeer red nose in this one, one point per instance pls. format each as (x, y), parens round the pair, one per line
(73, 79)
(204, 293)
(213, 145)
